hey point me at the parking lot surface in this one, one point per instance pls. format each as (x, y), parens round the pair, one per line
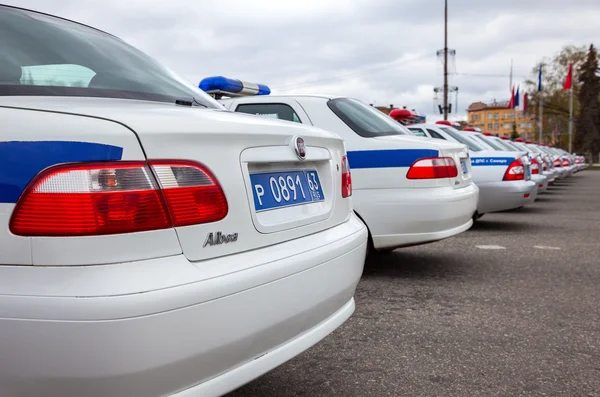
(510, 307)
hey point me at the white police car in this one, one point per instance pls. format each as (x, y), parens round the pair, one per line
(502, 177)
(136, 257)
(407, 190)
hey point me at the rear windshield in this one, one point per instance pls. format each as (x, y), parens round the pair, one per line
(47, 56)
(365, 120)
(490, 142)
(472, 145)
(504, 144)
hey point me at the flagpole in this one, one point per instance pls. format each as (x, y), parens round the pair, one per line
(541, 120)
(571, 120)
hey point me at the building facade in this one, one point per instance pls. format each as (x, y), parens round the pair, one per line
(496, 118)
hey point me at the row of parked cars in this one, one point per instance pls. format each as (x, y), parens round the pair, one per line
(155, 241)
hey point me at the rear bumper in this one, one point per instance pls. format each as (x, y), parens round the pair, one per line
(541, 182)
(505, 195)
(203, 338)
(405, 217)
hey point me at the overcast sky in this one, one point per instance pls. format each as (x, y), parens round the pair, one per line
(380, 51)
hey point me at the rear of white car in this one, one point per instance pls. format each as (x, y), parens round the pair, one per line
(502, 177)
(138, 257)
(407, 190)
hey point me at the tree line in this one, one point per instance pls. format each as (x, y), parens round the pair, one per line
(586, 104)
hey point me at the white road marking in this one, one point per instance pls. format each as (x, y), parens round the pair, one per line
(490, 247)
(545, 247)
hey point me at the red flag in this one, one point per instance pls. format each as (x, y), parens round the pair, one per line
(511, 104)
(525, 103)
(569, 79)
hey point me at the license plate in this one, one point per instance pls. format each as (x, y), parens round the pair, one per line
(283, 189)
(463, 165)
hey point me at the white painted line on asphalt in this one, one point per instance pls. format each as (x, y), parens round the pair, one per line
(490, 247)
(545, 247)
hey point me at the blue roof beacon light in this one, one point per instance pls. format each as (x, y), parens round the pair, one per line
(219, 86)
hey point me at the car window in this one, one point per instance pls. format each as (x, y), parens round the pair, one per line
(418, 132)
(44, 55)
(275, 110)
(435, 134)
(503, 144)
(365, 120)
(490, 142)
(472, 145)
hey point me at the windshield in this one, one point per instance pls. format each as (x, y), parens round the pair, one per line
(47, 56)
(472, 145)
(365, 120)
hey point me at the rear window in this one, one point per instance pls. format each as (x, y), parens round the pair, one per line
(490, 142)
(43, 55)
(417, 132)
(434, 134)
(472, 145)
(504, 144)
(279, 111)
(365, 120)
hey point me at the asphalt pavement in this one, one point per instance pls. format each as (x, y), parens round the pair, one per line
(509, 308)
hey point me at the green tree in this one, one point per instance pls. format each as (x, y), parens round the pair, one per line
(556, 100)
(587, 122)
(514, 134)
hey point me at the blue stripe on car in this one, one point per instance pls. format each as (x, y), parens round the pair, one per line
(21, 161)
(489, 161)
(387, 158)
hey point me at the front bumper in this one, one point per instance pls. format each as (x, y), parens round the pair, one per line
(202, 338)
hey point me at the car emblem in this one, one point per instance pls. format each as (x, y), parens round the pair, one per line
(299, 147)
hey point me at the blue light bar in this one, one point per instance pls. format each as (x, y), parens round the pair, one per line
(232, 87)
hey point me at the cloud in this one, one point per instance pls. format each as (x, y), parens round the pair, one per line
(380, 51)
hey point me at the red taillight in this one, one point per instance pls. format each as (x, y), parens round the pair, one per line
(192, 193)
(433, 168)
(565, 163)
(515, 171)
(535, 166)
(90, 199)
(557, 163)
(117, 197)
(346, 178)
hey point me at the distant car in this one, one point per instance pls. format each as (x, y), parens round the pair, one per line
(151, 242)
(538, 175)
(502, 177)
(407, 190)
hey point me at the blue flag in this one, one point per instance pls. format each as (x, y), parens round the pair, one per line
(516, 105)
(540, 79)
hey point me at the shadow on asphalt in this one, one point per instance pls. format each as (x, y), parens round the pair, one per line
(403, 264)
(529, 210)
(503, 226)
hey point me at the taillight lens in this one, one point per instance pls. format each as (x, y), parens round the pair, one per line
(117, 197)
(535, 166)
(346, 178)
(565, 163)
(515, 171)
(192, 193)
(90, 199)
(557, 163)
(433, 168)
